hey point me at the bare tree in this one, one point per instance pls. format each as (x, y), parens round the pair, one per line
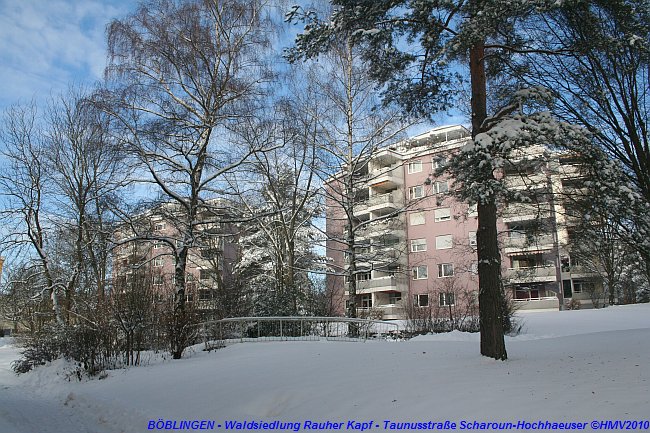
(601, 82)
(87, 171)
(279, 196)
(352, 132)
(26, 213)
(185, 74)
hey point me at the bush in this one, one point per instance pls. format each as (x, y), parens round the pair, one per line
(39, 349)
(91, 347)
(573, 304)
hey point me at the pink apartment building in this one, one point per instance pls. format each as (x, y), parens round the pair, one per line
(148, 261)
(415, 243)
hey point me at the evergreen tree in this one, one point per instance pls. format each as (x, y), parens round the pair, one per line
(415, 49)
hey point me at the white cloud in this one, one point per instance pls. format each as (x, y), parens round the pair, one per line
(48, 45)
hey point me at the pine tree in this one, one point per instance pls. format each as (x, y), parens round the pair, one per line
(414, 49)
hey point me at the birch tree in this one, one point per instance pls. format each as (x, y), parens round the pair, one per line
(353, 129)
(183, 75)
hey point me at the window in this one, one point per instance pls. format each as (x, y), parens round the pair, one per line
(159, 226)
(205, 274)
(445, 270)
(418, 245)
(157, 280)
(441, 187)
(516, 231)
(209, 253)
(444, 242)
(446, 299)
(526, 261)
(392, 271)
(442, 214)
(439, 162)
(362, 276)
(472, 211)
(388, 241)
(366, 301)
(415, 166)
(158, 262)
(472, 239)
(473, 268)
(574, 261)
(190, 282)
(394, 297)
(582, 286)
(416, 192)
(420, 272)
(205, 295)
(417, 218)
(421, 300)
(158, 245)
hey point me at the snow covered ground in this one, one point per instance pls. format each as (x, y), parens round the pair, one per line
(575, 366)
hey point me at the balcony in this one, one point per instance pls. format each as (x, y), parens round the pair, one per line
(384, 312)
(526, 212)
(579, 272)
(391, 201)
(360, 209)
(528, 243)
(382, 284)
(381, 227)
(539, 274)
(525, 181)
(386, 178)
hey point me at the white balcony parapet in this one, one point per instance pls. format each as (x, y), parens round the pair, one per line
(525, 243)
(386, 177)
(526, 211)
(383, 226)
(531, 275)
(382, 284)
(360, 208)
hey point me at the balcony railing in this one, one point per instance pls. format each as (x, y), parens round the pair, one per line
(382, 225)
(385, 177)
(386, 311)
(529, 242)
(532, 274)
(360, 207)
(381, 284)
(526, 211)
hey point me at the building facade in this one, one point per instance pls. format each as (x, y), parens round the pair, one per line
(145, 257)
(415, 244)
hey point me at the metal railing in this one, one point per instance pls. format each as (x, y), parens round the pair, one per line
(218, 333)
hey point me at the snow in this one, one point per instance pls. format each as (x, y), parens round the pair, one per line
(565, 366)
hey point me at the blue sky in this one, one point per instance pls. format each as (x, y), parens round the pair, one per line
(47, 45)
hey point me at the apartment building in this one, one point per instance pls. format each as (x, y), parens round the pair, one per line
(143, 257)
(415, 243)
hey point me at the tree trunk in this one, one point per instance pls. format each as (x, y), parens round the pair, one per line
(179, 319)
(491, 297)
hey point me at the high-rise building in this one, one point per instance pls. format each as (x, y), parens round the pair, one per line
(415, 243)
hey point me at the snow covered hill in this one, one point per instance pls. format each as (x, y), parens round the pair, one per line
(574, 366)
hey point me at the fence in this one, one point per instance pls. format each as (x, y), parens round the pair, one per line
(239, 329)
